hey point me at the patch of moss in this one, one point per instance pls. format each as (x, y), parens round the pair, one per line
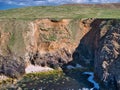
(4, 84)
(52, 37)
(48, 38)
(74, 26)
(12, 40)
(56, 80)
(41, 78)
(15, 28)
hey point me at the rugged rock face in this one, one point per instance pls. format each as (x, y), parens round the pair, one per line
(48, 42)
(55, 42)
(107, 56)
(44, 42)
(12, 66)
(100, 48)
(84, 53)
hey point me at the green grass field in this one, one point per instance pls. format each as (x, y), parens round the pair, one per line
(63, 11)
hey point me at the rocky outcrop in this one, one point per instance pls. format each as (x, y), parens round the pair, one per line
(100, 48)
(12, 66)
(107, 56)
(84, 53)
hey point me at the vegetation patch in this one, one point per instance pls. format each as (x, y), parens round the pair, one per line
(54, 80)
(51, 37)
(43, 80)
(74, 26)
(4, 84)
(64, 11)
(15, 28)
(12, 40)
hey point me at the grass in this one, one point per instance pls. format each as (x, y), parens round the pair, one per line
(9, 80)
(53, 80)
(74, 26)
(52, 37)
(6, 83)
(15, 28)
(42, 80)
(64, 11)
(12, 39)
(48, 38)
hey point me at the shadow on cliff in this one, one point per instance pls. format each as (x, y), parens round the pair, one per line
(85, 53)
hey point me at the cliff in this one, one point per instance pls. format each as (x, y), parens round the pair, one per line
(57, 42)
(44, 42)
(100, 48)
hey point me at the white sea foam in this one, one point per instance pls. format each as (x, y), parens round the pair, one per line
(78, 66)
(84, 89)
(72, 67)
(36, 68)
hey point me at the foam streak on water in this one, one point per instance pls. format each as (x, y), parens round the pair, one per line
(72, 67)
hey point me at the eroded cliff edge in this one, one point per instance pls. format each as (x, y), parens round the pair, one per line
(57, 42)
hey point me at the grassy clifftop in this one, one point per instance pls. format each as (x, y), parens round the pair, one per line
(64, 11)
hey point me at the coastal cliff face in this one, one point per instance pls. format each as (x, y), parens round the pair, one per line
(107, 55)
(100, 48)
(43, 42)
(57, 42)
